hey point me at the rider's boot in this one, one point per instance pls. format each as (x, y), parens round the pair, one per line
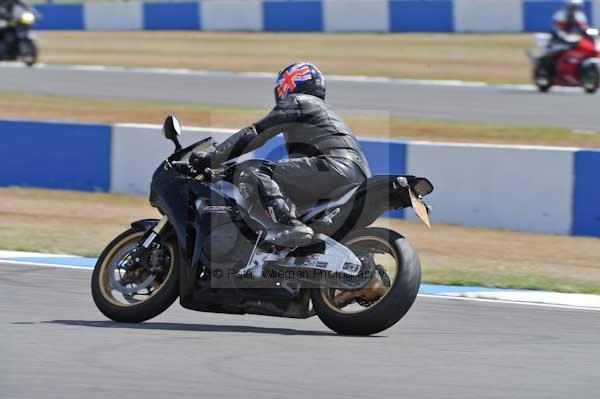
(286, 230)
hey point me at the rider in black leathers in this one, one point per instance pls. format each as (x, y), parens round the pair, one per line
(6, 14)
(323, 153)
(6, 8)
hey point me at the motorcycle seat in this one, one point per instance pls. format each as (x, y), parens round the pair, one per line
(338, 197)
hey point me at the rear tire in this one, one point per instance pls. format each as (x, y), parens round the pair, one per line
(590, 79)
(144, 310)
(394, 304)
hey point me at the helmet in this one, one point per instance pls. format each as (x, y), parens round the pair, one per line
(574, 4)
(300, 77)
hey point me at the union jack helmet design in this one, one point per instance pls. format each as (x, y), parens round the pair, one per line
(300, 77)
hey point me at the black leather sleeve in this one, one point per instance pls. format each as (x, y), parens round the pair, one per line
(238, 144)
(286, 112)
(253, 137)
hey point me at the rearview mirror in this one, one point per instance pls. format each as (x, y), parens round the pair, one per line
(171, 127)
(172, 130)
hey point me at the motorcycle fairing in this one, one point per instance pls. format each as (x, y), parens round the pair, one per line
(196, 201)
(360, 207)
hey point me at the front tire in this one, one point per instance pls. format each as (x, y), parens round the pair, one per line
(377, 315)
(129, 308)
(542, 79)
(28, 52)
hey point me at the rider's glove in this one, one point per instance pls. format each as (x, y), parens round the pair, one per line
(200, 160)
(186, 169)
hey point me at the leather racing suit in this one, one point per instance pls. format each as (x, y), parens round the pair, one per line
(323, 155)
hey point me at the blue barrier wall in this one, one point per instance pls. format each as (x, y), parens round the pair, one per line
(292, 15)
(273, 150)
(55, 155)
(421, 16)
(586, 197)
(562, 185)
(60, 16)
(537, 14)
(386, 158)
(185, 15)
(310, 15)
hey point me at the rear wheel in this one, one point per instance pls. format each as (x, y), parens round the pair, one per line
(542, 78)
(590, 79)
(130, 288)
(388, 296)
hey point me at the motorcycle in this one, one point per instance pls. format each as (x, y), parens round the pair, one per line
(577, 66)
(210, 249)
(17, 42)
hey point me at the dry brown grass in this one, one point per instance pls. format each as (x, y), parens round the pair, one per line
(476, 256)
(83, 223)
(490, 58)
(65, 221)
(23, 106)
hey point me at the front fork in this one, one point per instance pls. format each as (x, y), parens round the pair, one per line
(155, 231)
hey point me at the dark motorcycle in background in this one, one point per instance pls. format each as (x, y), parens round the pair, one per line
(578, 65)
(17, 42)
(209, 249)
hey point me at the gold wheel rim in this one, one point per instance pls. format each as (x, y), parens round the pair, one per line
(104, 279)
(332, 297)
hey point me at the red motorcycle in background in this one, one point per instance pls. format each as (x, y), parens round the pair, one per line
(574, 63)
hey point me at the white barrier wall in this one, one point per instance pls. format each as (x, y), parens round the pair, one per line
(137, 150)
(356, 15)
(488, 15)
(596, 13)
(245, 15)
(535, 189)
(113, 16)
(506, 187)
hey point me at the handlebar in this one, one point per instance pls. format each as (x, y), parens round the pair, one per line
(207, 174)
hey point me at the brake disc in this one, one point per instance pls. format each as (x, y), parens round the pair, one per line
(138, 283)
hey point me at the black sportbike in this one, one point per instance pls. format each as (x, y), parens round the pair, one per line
(17, 42)
(210, 250)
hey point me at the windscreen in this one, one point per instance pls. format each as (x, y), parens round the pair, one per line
(202, 146)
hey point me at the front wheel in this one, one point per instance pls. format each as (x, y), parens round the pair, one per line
(130, 288)
(28, 52)
(542, 78)
(396, 278)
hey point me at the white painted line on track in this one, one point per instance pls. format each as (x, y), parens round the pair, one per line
(272, 76)
(507, 302)
(56, 266)
(19, 254)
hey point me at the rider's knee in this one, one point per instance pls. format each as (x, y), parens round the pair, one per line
(255, 181)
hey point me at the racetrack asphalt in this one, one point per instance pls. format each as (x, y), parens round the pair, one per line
(55, 344)
(510, 105)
